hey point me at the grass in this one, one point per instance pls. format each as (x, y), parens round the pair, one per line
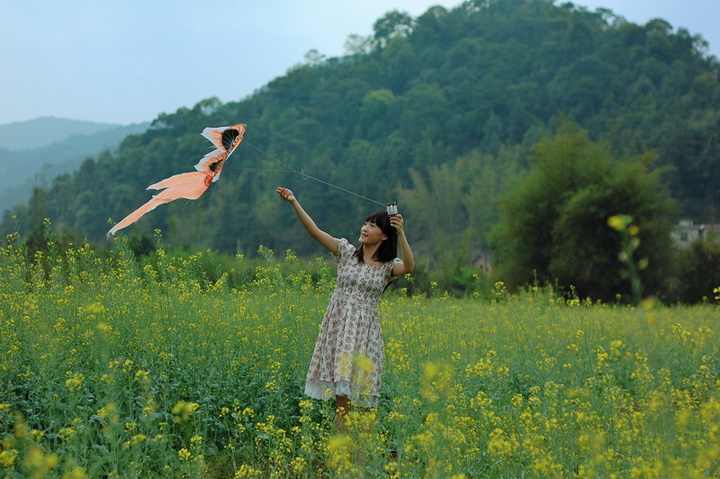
(114, 368)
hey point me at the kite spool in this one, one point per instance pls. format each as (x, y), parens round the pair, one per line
(392, 209)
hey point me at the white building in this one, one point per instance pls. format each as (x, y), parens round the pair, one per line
(686, 232)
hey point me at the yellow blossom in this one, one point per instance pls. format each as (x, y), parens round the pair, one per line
(76, 472)
(40, 462)
(499, 445)
(183, 409)
(7, 458)
(247, 472)
(75, 382)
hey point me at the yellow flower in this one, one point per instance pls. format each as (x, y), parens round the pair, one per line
(40, 462)
(182, 410)
(184, 454)
(298, 465)
(339, 457)
(95, 308)
(344, 362)
(108, 411)
(76, 472)
(75, 382)
(619, 222)
(247, 472)
(364, 363)
(143, 377)
(149, 407)
(7, 458)
(499, 444)
(436, 380)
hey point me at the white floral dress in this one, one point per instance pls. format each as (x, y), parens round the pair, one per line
(348, 356)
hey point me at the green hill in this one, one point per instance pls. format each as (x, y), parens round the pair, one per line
(48, 147)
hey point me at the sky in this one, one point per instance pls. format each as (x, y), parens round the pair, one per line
(127, 61)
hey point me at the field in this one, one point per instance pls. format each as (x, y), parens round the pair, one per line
(117, 368)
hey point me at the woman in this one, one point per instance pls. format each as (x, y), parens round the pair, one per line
(348, 358)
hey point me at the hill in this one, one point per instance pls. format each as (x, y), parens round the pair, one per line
(44, 131)
(440, 112)
(42, 161)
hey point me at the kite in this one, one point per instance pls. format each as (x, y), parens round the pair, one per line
(192, 185)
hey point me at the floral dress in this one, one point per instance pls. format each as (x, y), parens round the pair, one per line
(348, 356)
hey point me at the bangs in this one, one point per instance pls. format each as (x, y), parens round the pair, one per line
(378, 217)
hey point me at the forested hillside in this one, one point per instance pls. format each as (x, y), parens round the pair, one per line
(438, 112)
(48, 147)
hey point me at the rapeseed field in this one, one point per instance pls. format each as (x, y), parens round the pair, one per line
(117, 368)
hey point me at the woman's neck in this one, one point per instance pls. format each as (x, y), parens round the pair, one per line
(369, 253)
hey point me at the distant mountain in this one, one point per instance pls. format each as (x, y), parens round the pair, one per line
(31, 134)
(41, 161)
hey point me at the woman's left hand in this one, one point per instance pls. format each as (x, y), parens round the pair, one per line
(396, 221)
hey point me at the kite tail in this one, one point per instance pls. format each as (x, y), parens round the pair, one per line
(190, 186)
(135, 215)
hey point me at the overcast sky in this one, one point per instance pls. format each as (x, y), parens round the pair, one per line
(126, 61)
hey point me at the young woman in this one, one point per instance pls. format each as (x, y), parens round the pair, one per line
(348, 358)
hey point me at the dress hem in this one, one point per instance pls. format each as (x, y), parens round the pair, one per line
(325, 390)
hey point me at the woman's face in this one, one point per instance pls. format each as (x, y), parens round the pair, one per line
(371, 234)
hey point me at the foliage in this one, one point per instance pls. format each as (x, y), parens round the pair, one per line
(461, 92)
(117, 368)
(555, 224)
(698, 272)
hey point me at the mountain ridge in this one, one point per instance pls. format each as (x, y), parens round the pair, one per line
(46, 130)
(40, 164)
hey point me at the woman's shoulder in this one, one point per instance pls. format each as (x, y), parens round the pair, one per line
(345, 249)
(391, 264)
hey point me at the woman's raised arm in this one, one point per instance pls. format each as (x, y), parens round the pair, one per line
(319, 235)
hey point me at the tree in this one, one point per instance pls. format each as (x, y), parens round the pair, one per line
(358, 44)
(458, 201)
(553, 226)
(390, 25)
(698, 271)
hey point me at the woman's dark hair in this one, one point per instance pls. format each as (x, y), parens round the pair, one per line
(388, 248)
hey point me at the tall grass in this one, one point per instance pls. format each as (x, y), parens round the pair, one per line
(115, 368)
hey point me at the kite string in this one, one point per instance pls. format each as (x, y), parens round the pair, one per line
(306, 176)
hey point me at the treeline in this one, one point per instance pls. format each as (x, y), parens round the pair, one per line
(442, 113)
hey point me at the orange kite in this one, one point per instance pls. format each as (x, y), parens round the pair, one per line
(192, 185)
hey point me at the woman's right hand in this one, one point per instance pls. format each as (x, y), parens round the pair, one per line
(285, 193)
